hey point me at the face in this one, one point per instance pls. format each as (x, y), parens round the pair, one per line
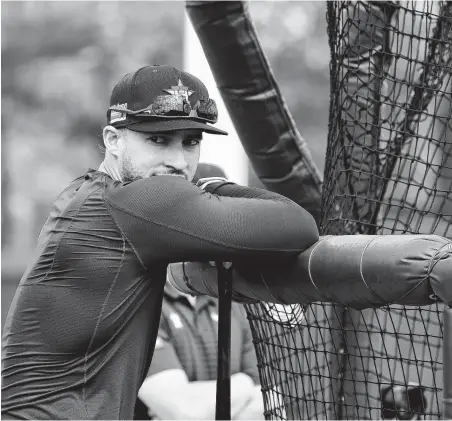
(142, 155)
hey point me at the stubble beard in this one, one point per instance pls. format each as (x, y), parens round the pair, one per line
(128, 171)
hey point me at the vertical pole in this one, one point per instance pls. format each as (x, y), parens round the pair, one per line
(447, 364)
(226, 153)
(231, 157)
(223, 398)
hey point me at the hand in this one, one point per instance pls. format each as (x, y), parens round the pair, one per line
(204, 182)
(236, 296)
(226, 265)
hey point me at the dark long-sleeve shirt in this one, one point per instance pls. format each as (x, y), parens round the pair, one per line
(82, 326)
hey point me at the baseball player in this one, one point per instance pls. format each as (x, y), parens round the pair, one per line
(82, 326)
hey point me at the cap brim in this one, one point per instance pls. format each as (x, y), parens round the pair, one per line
(169, 125)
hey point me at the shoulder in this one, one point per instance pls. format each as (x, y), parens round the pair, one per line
(75, 194)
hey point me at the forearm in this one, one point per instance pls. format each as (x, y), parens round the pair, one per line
(196, 400)
(228, 189)
(200, 396)
(205, 394)
(174, 221)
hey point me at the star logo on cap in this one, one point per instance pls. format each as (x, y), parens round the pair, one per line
(179, 90)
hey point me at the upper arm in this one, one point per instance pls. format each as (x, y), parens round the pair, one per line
(169, 219)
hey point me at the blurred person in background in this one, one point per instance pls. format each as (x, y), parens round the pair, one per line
(181, 382)
(80, 333)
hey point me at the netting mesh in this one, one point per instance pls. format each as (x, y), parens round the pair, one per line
(388, 171)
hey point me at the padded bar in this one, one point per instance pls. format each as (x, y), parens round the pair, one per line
(360, 271)
(277, 152)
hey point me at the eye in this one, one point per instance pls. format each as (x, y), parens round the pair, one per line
(192, 142)
(156, 139)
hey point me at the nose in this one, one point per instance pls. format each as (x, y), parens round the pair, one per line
(175, 157)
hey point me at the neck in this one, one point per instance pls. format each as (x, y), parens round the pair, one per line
(110, 168)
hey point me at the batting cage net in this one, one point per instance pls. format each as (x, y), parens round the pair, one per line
(388, 171)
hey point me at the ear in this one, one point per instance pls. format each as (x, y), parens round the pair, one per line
(112, 137)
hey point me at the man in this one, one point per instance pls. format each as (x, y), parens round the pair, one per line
(82, 326)
(181, 382)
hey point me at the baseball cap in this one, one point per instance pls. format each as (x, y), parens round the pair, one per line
(161, 98)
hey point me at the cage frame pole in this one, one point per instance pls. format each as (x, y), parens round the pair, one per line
(447, 364)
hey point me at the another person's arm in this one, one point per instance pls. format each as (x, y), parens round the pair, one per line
(170, 396)
(168, 393)
(168, 219)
